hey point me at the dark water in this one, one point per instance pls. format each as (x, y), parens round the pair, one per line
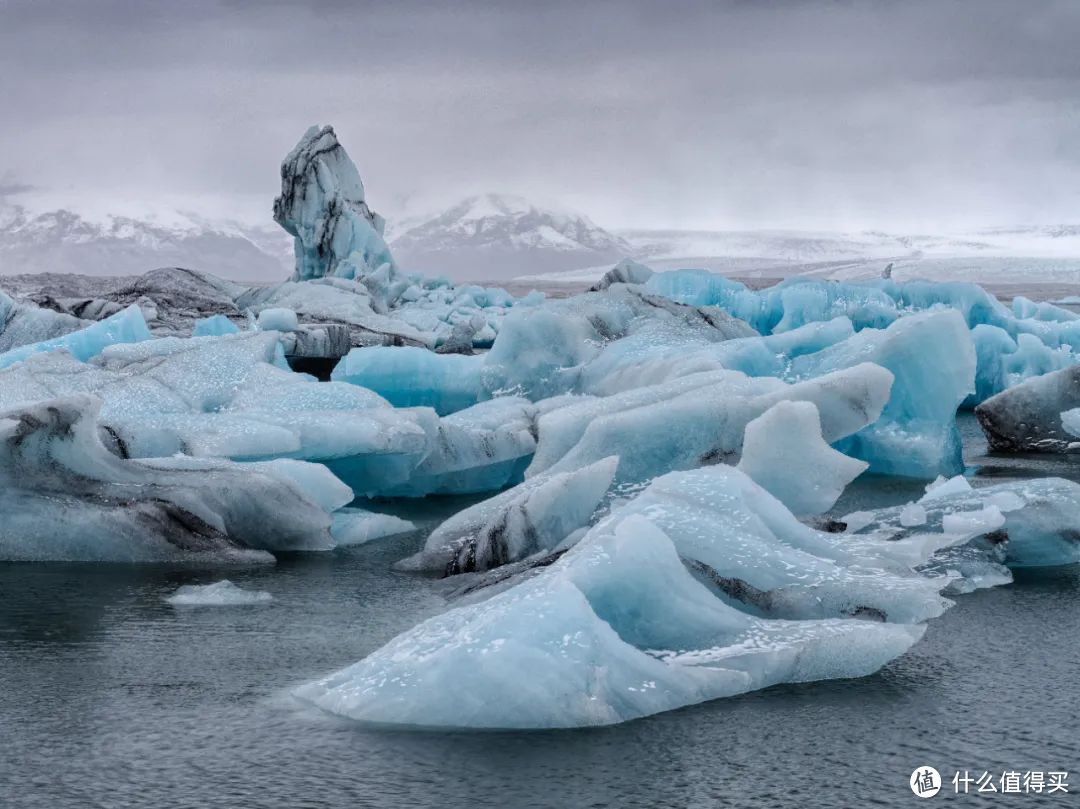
(111, 698)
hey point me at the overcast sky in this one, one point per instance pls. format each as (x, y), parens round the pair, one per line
(902, 115)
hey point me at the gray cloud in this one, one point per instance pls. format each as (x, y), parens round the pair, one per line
(812, 114)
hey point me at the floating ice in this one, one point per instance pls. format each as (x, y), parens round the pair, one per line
(278, 319)
(219, 594)
(697, 419)
(1029, 523)
(1028, 417)
(533, 517)
(626, 271)
(322, 206)
(1013, 345)
(356, 526)
(24, 323)
(214, 326)
(126, 326)
(411, 377)
(615, 630)
(784, 452)
(932, 358)
(64, 496)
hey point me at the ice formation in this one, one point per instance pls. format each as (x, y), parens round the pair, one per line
(643, 450)
(534, 517)
(616, 629)
(1015, 344)
(1030, 523)
(1029, 417)
(64, 496)
(415, 377)
(357, 526)
(784, 452)
(24, 323)
(126, 326)
(219, 594)
(277, 319)
(322, 206)
(695, 420)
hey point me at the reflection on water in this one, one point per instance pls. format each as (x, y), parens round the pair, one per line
(110, 697)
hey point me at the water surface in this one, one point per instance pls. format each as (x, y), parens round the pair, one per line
(110, 697)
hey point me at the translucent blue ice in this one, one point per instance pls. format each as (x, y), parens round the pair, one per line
(127, 326)
(214, 326)
(415, 377)
(619, 628)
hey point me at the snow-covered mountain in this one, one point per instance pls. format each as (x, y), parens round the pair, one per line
(497, 236)
(63, 241)
(1036, 254)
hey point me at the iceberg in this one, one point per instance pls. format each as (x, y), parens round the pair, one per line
(126, 326)
(65, 497)
(322, 206)
(277, 319)
(783, 451)
(214, 326)
(1029, 523)
(534, 517)
(626, 271)
(614, 630)
(219, 594)
(1013, 344)
(24, 323)
(415, 377)
(1028, 417)
(696, 420)
(932, 358)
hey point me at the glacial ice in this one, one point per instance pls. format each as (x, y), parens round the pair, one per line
(783, 452)
(616, 629)
(23, 324)
(357, 526)
(219, 594)
(1028, 523)
(64, 496)
(1014, 344)
(277, 319)
(697, 419)
(533, 517)
(126, 326)
(214, 326)
(1028, 417)
(415, 377)
(932, 358)
(322, 206)
(637, 550)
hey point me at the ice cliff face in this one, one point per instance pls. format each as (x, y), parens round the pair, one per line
(322, 206)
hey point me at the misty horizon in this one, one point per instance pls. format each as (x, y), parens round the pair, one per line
(815, 116)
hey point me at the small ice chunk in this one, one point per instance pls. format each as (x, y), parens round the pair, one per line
(1006, 501)
(987, 519)
(213, 326)
(219, 594)
(943, 488)
(356, 526)
(912, 514)
(278, 318)
(857, 520)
